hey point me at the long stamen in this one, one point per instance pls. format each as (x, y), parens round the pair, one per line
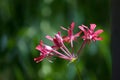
(66, 49)
(72, 50)
(65, 52)
(71, 43)
(66, 58)
(61, 55)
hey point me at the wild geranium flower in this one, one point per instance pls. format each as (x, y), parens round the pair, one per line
(48, 51)
(89, 34)
(45, 51)
(71, 37)
(58, 43)
(57, 40)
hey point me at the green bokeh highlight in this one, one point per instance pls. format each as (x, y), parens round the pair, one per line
(23, 23)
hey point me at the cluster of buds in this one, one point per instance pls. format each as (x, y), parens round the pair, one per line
(58, 43)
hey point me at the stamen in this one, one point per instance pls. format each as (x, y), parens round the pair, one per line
(66, 49)
(59, 53)
(65, 52)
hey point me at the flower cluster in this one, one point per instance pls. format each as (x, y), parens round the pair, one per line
(59, 40)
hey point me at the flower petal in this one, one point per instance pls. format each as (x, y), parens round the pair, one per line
(85, 26)
(98, 32)
(98, 38)
(77, 34)
(66, 39)
(49, 38)
(72, 25)
(63, 28)
(48, 48)
(70, 33)
(83, 29)
(58, 37)
(55, 47)
(57, 42)
(39, 47)
(84, 37)
(40, 58)
(92, 26)
(59, 33)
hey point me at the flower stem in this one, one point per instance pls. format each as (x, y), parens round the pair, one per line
(82, 46)
(78, 71)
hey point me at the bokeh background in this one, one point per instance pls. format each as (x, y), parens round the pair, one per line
(23, 23)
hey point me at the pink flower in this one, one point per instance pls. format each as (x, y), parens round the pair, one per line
(57, 40)
(58, 44)
(45, 51)
(71, 37)
(89, 34)
(48, 51)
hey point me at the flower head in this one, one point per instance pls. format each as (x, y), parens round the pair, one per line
(71, 37)
(89, 34)
(45, 51)
(57, 40)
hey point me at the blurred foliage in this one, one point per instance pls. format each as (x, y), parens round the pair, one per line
(24, 23)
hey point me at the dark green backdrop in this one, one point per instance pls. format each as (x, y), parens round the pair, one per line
(23, 23)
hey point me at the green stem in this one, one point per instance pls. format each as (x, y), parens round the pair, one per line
(78, 71)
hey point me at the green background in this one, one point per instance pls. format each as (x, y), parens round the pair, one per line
(23, 23)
